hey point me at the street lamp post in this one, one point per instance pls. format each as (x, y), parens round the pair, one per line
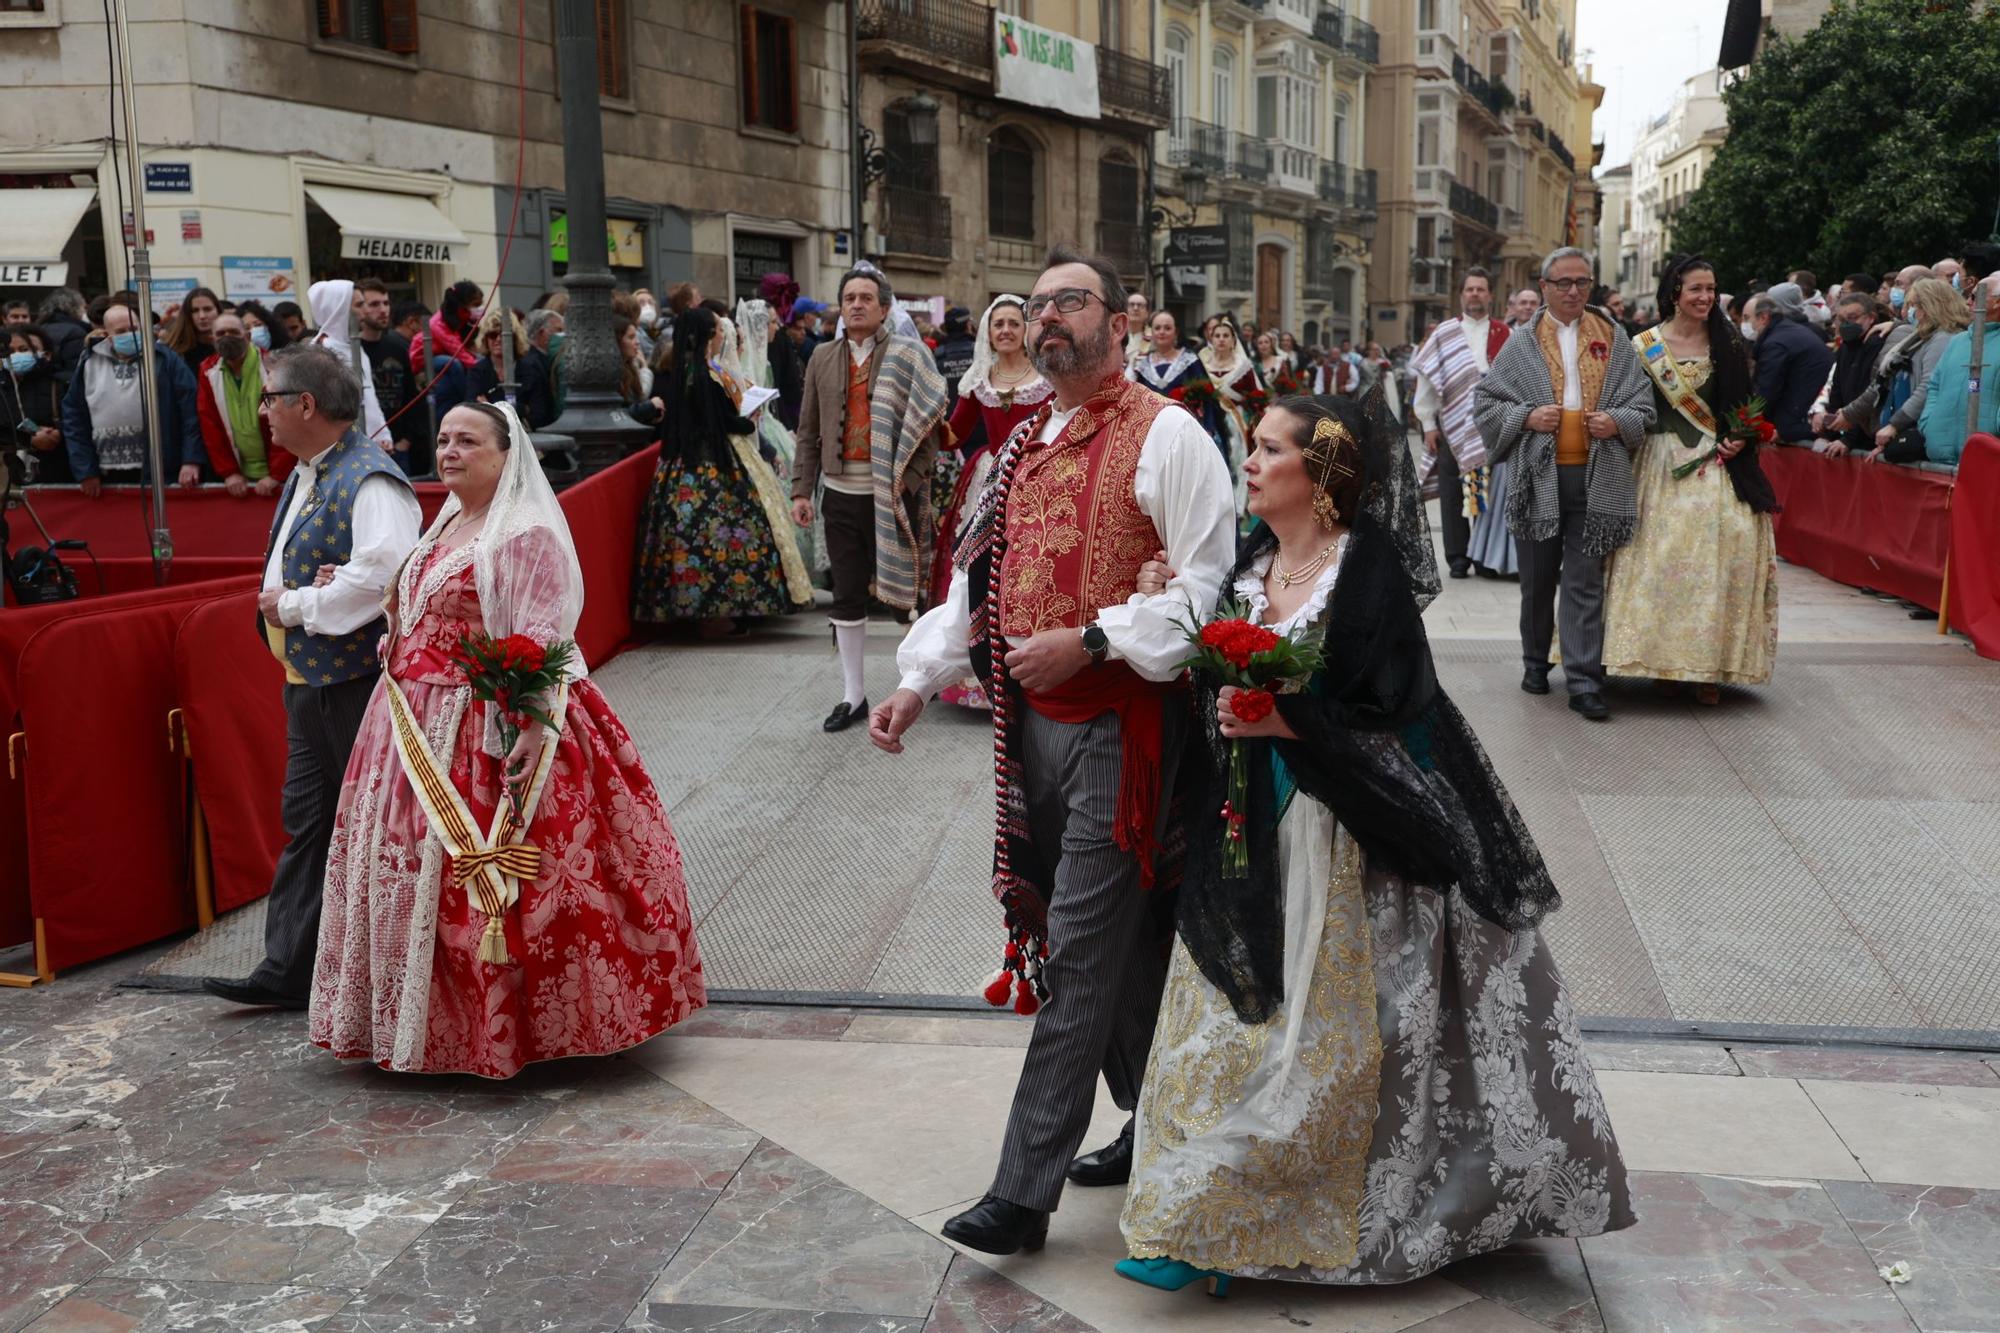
(594, 414)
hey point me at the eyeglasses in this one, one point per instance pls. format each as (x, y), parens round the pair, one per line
(268, 394)
(1569, 284)
(1069, 300)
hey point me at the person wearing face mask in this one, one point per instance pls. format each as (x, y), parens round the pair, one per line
(1943, 419)
(1845, 417)
(31, 401)
(1792, 362)
(647, 321)
(1933, 312)
(237, 436)
(104, 420)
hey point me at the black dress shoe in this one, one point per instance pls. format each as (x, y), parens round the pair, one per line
(250, 993)
(1535, 680)
(1461, 569)
(998, 1227)
(845, 715)
(1109, 1165)
(1591, 705)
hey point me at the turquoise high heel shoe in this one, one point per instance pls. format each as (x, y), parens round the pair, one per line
(1172, 1274)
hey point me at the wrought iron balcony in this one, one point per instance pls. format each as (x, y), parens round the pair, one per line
(1363, 42)
(1133, 89)
(957, 31)
(1127, 246)
(1333, 177)
(1197, 143)
(1361, 189)
(1249, 158)
(1329, 26)
(916, 222)
(1561, 150)
(1470, 203)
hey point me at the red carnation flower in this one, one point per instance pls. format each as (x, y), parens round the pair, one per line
(1252, 705)
(1600, 350)
(1766, 432)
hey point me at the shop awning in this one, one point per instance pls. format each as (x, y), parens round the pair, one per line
(35, 225)
(395, 228)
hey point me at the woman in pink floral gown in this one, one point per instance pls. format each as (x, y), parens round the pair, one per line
(600, 942)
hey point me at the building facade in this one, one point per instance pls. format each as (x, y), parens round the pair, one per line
(1269, 118)
(1669, 160)
(1471, 119)
(1614, 214)
(288, 142)
(990, 135)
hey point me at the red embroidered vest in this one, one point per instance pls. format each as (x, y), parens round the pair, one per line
(854, 429)
(1075, 534)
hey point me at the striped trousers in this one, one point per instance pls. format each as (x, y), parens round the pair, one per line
(321, 723)
(1105, 968)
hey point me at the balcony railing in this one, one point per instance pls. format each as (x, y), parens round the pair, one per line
(916, 222)
(1333, 183)
(1132, 88)
(1363, 42)
(1125, 244)
(960, 31)
(1468, 202)
(1197, 143)
(1329, 26)
(1561, 150)
(1361, 189)
(1249, 158)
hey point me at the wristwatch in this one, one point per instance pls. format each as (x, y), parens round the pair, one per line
(1095, 643)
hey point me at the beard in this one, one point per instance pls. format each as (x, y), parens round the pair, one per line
(1071, 356)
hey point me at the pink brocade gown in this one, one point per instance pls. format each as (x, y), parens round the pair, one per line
(602, 942)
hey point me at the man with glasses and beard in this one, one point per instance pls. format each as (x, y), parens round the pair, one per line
(1088, 717)
(1567, 399)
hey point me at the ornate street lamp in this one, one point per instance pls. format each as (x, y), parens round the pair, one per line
(594, 414)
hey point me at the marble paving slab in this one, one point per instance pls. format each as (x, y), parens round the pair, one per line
(1544, 1281)
(1747, 1256)
(152, 1306)
(1848, 1064)
(1916, 1134)
(1949, 1236)
(1667, 1122)
(44, 1256)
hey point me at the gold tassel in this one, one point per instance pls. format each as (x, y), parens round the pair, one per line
(493, 945)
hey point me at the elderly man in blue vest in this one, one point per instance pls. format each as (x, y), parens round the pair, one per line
(348, 508)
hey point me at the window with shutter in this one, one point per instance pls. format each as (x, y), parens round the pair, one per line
(769, 71)
(614, 77)
(385, 25)
(1010, 185)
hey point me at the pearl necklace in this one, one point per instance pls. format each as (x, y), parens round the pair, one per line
(1291, 578)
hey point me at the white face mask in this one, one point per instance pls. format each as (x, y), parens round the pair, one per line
(1749, 331)
(647, 314)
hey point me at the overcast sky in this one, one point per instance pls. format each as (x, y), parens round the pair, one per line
(1642, 54)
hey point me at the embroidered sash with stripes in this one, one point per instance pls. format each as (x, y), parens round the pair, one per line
(1658, 359)
(490, 867)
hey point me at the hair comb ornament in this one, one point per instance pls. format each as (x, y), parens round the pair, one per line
(1327, 438)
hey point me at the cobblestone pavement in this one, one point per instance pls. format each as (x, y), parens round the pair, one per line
(1822, 852)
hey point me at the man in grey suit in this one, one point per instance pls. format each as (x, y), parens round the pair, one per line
(1568, 401)
(346, 522)
(1088, 716)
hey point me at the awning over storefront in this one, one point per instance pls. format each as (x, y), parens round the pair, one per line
(35, 225)
(396, 228)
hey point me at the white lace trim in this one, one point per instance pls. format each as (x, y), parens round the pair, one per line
(1250, 590)
(421, 584)
(1030, 394)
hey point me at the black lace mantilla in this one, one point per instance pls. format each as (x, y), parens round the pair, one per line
(1381, 746)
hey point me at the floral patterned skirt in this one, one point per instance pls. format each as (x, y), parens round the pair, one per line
(708, 548)
(602, 941)
(1422, 1095)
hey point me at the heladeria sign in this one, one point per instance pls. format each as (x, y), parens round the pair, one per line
(1043, 67)
(395, 250)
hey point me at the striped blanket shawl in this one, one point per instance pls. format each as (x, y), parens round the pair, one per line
(1446, 360)
(904, 415)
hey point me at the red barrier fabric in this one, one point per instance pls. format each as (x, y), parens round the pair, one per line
(1975, 546)
(215, 533)
(107, 847)
(603, 513)
(1868, 525)
(232, 691)
(17, 626)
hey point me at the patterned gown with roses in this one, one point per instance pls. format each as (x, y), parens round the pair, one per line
(602, 941)
(1421, 1095)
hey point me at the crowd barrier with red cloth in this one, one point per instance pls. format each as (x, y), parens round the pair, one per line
(1868, 525)
(216, 534)
(1974, 599)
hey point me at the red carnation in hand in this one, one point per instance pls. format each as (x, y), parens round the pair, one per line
(522, 651)
(1252, 705)
(1766, 432)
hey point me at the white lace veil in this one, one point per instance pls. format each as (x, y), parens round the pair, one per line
(980, 372)
(524, 560)
(753, 326)
(728, 357)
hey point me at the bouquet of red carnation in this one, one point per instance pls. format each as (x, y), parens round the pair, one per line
(1197, 396)
(1747, 423)
(1286, 382)
(1260, 663)
(517, 674)
(1254, 403)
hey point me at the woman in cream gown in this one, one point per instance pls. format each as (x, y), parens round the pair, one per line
(1234, 376)
(1694, 597)
(1367, 1065)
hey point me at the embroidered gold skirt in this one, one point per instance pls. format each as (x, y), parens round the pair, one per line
(1695, 595)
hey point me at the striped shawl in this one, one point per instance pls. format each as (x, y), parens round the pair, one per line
(905, 413)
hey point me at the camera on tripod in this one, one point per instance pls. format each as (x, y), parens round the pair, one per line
(36, 574)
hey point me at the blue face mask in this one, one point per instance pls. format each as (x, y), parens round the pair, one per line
(21, 362)
(1896, 296)
(125, 344)
(260, 336)
(1954, 281)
